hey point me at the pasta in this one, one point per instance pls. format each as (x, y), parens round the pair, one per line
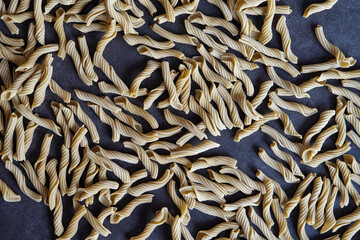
(281, 220)
(194, 150)
(54, 183)
(329, 211)
(220, 178)
(266, 31)
(303, 212)
(334, 175)
(346, 176)
(318, 7)
(59, 28)
(321, 204)
(206, 162)
(73, 225)
(315, 193)
(7, 193)
(266, 203)
(40, 164)
(285, 37)
(184, 38)
(259, 222)
(160, 54)
(340, 121)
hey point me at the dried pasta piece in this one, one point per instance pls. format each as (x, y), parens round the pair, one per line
(344, 93)
(206, 162)
(318, 7)
(152, 167)
(259, 222)
(315, 193)
(199, 17)
(329, 211)
(234, 114)
(259, 186)
(285, 37)
(321, 204)
(151, 185)
(222, 178)
(64, 163)
(346, 176)
(54, 183)
(253, 200)
(297, 148)
(100, 219)
(351, 231)
(291, 87)
(7, 193)
(126, 157)
(335, 177)
(347, 219)
(40, 91)
(39, 22)
(58, 90)
(138, 137)
(84, 193)
(74, 224)
(40, 164)
(184, 38)
(116, 217)
(59, 28)
(214, 211)
(180, 203)
(159, 219)
(280, 219)
(7, 149)
(216, 230)
(189, 150)
(303, 212)
(133, 39)
(160, 54)
(291, 204)
(266, 203)
(266, 30)
(285, 172)
(292, 106)
(351, 161)
(75, 143)
(151, 66)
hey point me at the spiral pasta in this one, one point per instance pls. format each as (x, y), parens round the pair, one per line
(40, 164)
(133, 39)
(30, 62)
(280, 219)
(206, 162)
(74, 148)
(285, 37)
(180, 203)
(7, 149)
(303, 212)
(329, 211)
(7, 193)
(194, 150)
(321, 204)
(160, 54)
(347, 219)
(54, 182)
(315, 193)
(74, 223)
(346, 176)
(259, 222)
(222, 178)
(199, 17)
(214, 211)
(217, 229)
(318, 7)
(184, 38)
(253, 200)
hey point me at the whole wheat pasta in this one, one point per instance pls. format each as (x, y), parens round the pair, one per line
(329, 211)
(74, 224)
(75, 143)
(59, 28)
(259, 222)
(20, 140)
(285, 172)
(318, 7)
(266, 31)
(40, 164)
(328, 155)
(7, 193)
(106, 163)
(241, 133)
(199, 17)
(309, 153)
(303, 213)
(289, 128)
(351, 161)
(180, 203)
(64, 163)
(149, 165)
(216, 230)
(30, 61)
(206, 162)
(222, 178)
(315, 193)
(83, 117)
(266, 203)
(220, 69)
(320, 219)
(214, 211)
(282, 29)
(291, 204)
(160, 54)
(151, 66)
(346, 176)
(347, 219)
(324, 118)
(226, 40)
(280, 219)
(292, 106)
(184, 38)
(297, 148)
(21, 181)
(7, 149)
(253, 200)
(189, 150)
(77, 174)
(133, 39)
(334, 175)
(259, 186)
(54, 182)
(58, 90)
(291, 87)
(159, 219)
(151, 185)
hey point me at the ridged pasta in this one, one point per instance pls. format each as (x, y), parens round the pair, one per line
(303, 213)
(60, 119)
(329, 211)
(318, 7)
(291, 204)
(253, 200)
(351, 231)
(280, 219)
(216, 230)
(133, 39)
(74, 223)
(180, 203)
(222, 178)
(40, 163)
(266, 203)
(84, 193)
(64, 163)
(7, 193)
(189, 150)
(160, 54)
(30, 61)
(184, 38)
(101, 217)
(259, 222)
(7, 149)
(40, 91)
(206, 162)
(346, 176)
(199, 17)
(292, 106)
(347, 219)
(74, 148)
(315, 193)
(282, 29)
(54, 182)
(214, 211)
(266, 30)
(321, 204)
(59, 28)
(151, 66)
(58, 90)
(335, 177)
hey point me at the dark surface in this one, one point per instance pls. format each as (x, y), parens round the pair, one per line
(30, 220)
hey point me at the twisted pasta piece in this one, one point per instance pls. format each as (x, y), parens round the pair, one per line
(180, 203)
(54, 182)
(309, 153)
(216, 230)
(206, 162)
(74, 223)
(21, 181)
(292, 106)
(58, 213)
(351, 161)
(266, 203)
(330, 154)
(31, 60)
(317, 187)
(159, 219)
(60, 119)
(31, 40)
(59, 28)
(221, 178)
(129, 158)
(184, 38)
(199, 17)
(160, 54)
(259, 222)
(303, 213)
(340, 121)
(151, 66)
(64, 162)
(234, 114)
(151, 166)
(151, 185)
(139, 137)
(347, 219)
(282, 29)
(334, 175)
(7, 193)
(351, 231)
(266, 31)
(214, 211)
(291, 204)
(280, 219)
(58, 90)
(84, 193)
(297, 148)
(241, 133)
(101, 217)
(40, 91)
(44, 122)
(320, 218)
(254, 200)
(39, 22)
(345, 93)
(189, 150)
(75, 143)
(40, 164)
(7, 149)
(78, 172)
(318, 7)
(109, 165)
(329, 211)
(320, 67)
(133, 39)
(346, 176)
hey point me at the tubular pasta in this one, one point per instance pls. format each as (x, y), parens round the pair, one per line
(318, 7)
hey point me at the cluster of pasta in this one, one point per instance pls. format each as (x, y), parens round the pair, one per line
(213, 85)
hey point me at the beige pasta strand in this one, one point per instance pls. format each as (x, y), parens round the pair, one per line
(40, 164)
(266, 203)
(315, 193)
(54, 182)
(286, 40)
(280, 219)
(7, 149)
(321, 204)
(318, 7)
(266, 30)
(160, 54)
(329, 211)
(74, 224)
(303, 213)
(7, 193)
(59, 28)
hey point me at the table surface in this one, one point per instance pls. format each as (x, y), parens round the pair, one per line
(30, 220)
